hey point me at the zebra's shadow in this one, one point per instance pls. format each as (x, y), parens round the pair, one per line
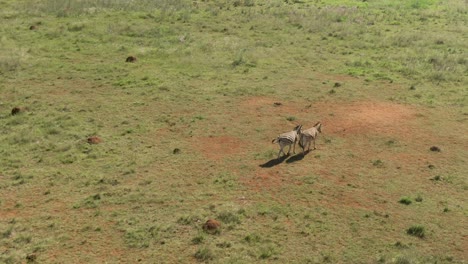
(287, 158)
(295, 158)
(273, 162)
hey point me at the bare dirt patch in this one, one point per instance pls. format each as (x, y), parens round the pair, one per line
(366, 117)
(216, 148)
(358, 126)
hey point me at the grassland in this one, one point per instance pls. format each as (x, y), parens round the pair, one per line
(218, 80)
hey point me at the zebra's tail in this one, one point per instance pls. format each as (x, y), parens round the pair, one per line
(274, 140)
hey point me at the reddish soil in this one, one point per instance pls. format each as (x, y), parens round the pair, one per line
(94, 140)
(353, 124)
(217, 148)
(367, 117)
(211, 225)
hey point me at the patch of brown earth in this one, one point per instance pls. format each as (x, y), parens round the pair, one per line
(211, 225)
(94, 140)
(344, 120)
(216, 148)
(366, 117)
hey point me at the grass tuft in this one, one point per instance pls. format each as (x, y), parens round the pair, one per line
(417, 231)
(204, 254)
(405, 201)
(229, 218)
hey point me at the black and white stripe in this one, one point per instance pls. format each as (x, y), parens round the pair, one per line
(309, 135)
(288, 139)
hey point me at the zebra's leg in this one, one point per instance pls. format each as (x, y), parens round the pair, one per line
(314, 144)
(289, 149)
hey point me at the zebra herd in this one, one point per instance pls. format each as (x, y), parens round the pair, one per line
(305, 138)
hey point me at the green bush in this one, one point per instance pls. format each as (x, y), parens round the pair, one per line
(417, 231)
(405, 200)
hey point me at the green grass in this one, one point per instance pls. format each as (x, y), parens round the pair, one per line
(186, 130)
(405, 201)
(417, 231)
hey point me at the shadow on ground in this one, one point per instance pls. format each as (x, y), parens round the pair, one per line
(287, 158)
(295, 158)
(273, 162)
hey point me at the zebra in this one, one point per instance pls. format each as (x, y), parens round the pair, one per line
(306, 136)
(288, 139)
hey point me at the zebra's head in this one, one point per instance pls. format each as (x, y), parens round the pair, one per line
(318, 126)
(298, 129)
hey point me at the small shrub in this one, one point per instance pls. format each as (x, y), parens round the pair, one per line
(239, 60)
(31, 258)
(436, 178)
(266, 252)
(204, 254)
(224, 245)
(377, 163)
(7, 233)
(198, 239)
(435, 149)
(418, 198)
(399, 244)
(228, 217)
(446, 210)
(417, 231)
(187, 220)
(138, 238)
(290, 118)
(22, 239)
(131, 59)
(402, 260)
(405, 200)
(252, 238)
(16, 110)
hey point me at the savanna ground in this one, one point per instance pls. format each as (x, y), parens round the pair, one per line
(218, 80)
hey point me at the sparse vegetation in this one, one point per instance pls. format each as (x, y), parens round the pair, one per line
(418, 198)
(405, 201)
(378, 163)
(126, 125)
(417, 231)
(204, 254)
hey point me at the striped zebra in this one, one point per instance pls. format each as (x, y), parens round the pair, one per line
(309, 135)
(288, 139)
